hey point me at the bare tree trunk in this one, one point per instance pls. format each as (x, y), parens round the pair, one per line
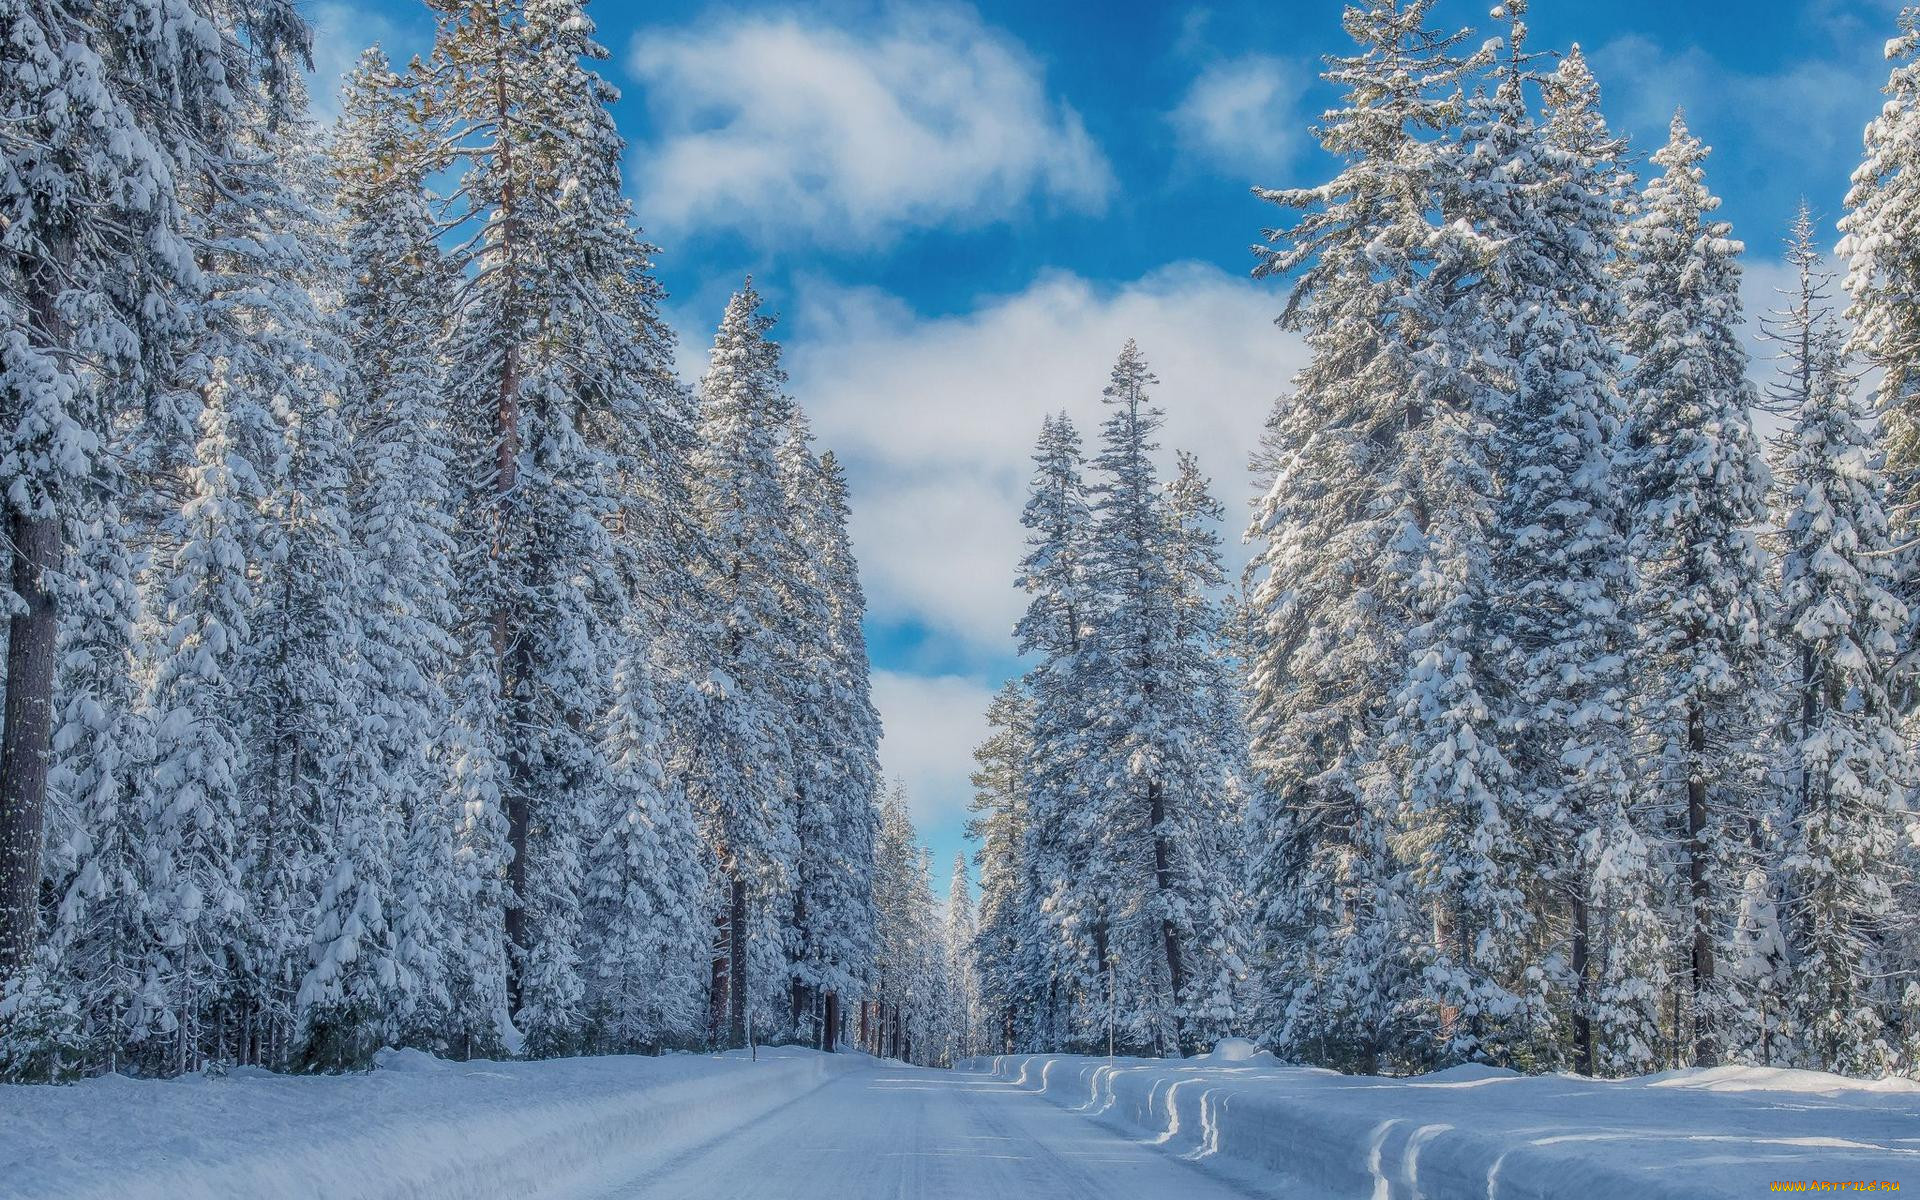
(26, 735)
(830, 1034)
(1582, 983)
(1705, 1048)
(718, 978)
(1163, 880)
(737, 985)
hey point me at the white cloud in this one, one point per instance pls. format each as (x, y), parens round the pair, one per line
(936, 417)
(1244, 113)
(782, 126)
(933, 722)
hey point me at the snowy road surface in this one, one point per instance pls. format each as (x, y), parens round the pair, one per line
(905, 1133)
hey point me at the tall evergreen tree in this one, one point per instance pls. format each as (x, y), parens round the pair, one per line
(1333, 592)
(835, 752)
(1065, 953)
(1881, 243)
(402, 515)
(963, 981)
(646, 884)
(108, 106)
(1838, 626)
(557, 377)
(1005, 925)
(739, 769)
(1696, 488)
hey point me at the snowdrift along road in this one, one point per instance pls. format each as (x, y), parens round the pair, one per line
(1490, 1134)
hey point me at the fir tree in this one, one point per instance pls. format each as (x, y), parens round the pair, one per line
(1006, 925)
(739, 767)
(1882, 247)
(1696, 486)
(395, 414)
(1064, 955)
(1838, 627)
(1333, 593)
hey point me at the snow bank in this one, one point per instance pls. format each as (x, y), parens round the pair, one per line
(418, 1128)
(1485, 1133)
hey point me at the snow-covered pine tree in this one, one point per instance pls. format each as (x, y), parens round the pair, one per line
(896, 863)
(395, 314)
(1537, 313)
(107, 104)
(313, 846)
(475, 955)
(1838, 627)
(647, 891)
(835, 734)
(1881, 244)
(1203, 657)
(1063, 956)
(1150, 777)
(1006, 925)
(557, 380)
(100, 926)
(1614, 892)
(1696, 488)
(1461, 824)
(232, 793)
(1332, 594)
(738, 764)
(963, 980)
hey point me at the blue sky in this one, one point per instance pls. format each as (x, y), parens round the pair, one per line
(961, 212)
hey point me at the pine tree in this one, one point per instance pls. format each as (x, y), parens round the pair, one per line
(402, 517)
(1212, 842)
(313, 852)
(108, 103)
(1006, 926)
(1696, 486)
(476, 958)
(1882, 247)
(1568, 557)
(836, 735)
(963, 985)
(1528, 304)
(646, 887)
(739, 765)
(1838, 626)
(101, 922)
(557, 380)
(1333, 595)
(1064, 956)
(1150, 778)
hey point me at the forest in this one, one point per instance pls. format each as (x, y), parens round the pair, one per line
(399, 653)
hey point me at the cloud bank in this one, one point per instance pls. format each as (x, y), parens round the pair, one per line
(779, 126)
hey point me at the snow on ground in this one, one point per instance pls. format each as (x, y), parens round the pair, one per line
(1482, 1132)
(796, 1125)
(418, 1127)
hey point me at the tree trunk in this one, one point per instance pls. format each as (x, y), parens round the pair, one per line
(26, 735)
(1705, 1049)
(506, 481)
(1163, 880)
(831, 1033)
(718, 978)
(737, 985)
(1582, 985)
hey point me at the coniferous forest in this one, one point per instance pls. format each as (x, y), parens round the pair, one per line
(399, 654)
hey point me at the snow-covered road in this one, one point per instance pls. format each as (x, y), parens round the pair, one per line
(909, 1134)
